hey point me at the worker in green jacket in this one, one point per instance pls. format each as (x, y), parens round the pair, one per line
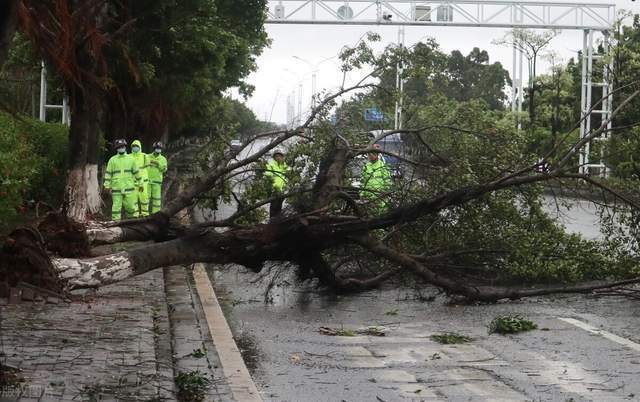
(142, 161)
(157, 169)
(376, 181)
(276, 170)
(122, 179)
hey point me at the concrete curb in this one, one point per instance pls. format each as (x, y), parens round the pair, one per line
(242, 386)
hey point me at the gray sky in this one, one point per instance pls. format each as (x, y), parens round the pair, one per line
(280, 74)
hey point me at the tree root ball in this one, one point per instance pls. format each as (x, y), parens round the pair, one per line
(64, 237)
(23, 259)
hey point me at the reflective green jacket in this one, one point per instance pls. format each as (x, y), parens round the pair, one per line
(376, 177)
(142, 161)
(157, 167)
(277, 173)
(122, 174)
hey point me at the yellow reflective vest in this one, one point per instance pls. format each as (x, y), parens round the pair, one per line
(122, 174)
(157, 167)
(277, 173)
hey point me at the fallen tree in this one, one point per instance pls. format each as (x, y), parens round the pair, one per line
(462, 226)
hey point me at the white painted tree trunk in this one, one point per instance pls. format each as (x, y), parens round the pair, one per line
(94, 272)
(83, 193)
(99, 234)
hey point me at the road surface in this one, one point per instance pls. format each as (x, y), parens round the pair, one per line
(586, 348)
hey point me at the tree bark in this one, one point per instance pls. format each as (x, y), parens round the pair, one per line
(330, 176)
(283, 241)
(82, 192)
(8, 24)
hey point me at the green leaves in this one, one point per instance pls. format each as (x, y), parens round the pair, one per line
(33, 159)
(192, 386)
(511, 324)
(450, 338)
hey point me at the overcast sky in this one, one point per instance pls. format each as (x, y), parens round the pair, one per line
(280, 73)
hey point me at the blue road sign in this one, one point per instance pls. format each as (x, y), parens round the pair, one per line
(373, 114)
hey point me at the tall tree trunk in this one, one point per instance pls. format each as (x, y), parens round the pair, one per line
(163, 135)
(532, 93)
(82, 193)
(8, 23)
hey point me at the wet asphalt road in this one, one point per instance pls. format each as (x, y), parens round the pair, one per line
(586, 348)
(562, 361)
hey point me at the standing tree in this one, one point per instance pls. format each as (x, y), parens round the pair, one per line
(72, 38)
(158, 91)
(8, 23)
(531, 44)
(122, 64)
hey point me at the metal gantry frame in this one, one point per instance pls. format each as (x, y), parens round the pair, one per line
(461, 13)
(588, 17)
(603, 105)
(44, 106)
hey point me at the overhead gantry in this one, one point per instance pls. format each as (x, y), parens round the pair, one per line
(591, 18)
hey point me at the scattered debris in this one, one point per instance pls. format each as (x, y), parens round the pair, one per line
(450, 338)
(372, 330)
(295, 358)
(336, 332)
(436, 356)
(511, 324)
(392, 312)
(199, 353)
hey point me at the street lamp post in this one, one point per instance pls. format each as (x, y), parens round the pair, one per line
(314, 76)
(298, 118)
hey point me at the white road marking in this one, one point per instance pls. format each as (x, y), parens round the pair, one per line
(605, 334)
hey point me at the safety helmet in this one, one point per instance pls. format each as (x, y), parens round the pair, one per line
(157, 144)
(278, 151)
(377, 146)
(121, 142)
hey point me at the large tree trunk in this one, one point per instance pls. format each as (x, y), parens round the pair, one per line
(8, 23)
(284, 241)
(82, 193)
(293, 240)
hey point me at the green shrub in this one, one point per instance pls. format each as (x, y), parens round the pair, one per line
(33, 160)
